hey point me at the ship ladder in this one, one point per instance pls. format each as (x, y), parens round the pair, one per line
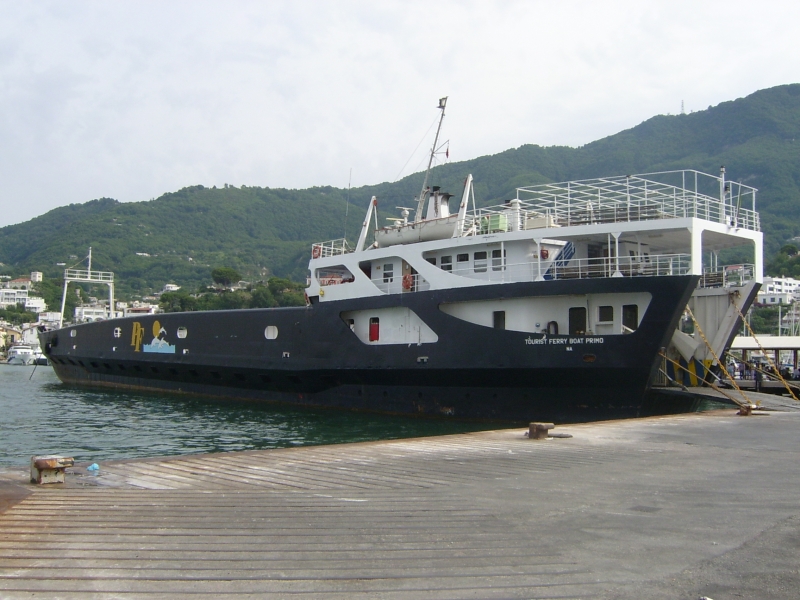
(745, 408)
(764, 352)
(721, 364)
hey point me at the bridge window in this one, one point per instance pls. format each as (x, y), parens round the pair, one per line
(447, 263)
(498, 260)
(605, 314)
(388, 273)
(479, 265)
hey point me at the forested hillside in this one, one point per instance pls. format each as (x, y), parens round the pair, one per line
(263, 232)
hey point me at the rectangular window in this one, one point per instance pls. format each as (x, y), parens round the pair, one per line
(447, 263)
(605, 314)
(374, 329)
(498, 260)
(630, 318)
(388, 273)
(480, 262)
(432, 260)
(462, 258)
(577, 320)
(499, 319)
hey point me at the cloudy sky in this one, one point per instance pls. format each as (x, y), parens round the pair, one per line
(133, 99)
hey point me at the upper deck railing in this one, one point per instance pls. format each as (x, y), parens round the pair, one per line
(665, 195)
(586, 268)
(608, 200)
(330, 248)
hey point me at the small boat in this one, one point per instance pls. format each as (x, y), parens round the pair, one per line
(21, 354)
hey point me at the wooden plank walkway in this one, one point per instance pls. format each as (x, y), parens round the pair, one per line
(663, 507)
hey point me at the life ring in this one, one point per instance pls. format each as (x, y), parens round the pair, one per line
(408, 281)
(316, 251)
(545, 253)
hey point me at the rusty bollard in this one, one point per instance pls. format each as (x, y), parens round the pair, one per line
(539, 431)
(49, 469)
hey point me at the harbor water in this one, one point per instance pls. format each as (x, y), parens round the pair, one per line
(40, 415)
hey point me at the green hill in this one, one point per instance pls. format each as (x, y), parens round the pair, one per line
(263, 232)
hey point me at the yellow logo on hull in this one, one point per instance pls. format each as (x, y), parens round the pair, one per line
(136, 337)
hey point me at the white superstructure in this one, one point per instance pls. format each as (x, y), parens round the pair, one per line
(657, 224)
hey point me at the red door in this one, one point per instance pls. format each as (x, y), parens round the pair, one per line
(374, 329)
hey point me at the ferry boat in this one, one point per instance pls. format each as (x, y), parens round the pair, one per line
(560, 304)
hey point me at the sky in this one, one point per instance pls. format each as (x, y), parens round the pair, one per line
(130, 100)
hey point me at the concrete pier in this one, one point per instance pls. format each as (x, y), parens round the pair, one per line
(670, 507)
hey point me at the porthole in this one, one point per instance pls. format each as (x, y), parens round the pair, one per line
(271, 332)
(73, 333)
(182, 332)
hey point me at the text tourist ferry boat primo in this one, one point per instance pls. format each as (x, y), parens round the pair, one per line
(556, 305)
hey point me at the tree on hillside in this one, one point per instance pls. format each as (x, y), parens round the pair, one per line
(225, 276)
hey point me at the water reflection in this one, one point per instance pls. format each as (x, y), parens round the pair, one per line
(40, 415)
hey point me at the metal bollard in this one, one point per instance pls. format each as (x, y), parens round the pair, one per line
(49, 469)
(539, 431)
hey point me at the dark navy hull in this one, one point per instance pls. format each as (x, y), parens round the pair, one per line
(471, 372)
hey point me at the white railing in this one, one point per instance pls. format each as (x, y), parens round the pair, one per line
(621, 199)
(658, 265)
(93, 276)
(329, 248)
(397, 284)
(727, 276)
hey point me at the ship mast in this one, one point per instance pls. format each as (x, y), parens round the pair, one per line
(423, 195)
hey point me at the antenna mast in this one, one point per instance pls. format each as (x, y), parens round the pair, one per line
(423, 193)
